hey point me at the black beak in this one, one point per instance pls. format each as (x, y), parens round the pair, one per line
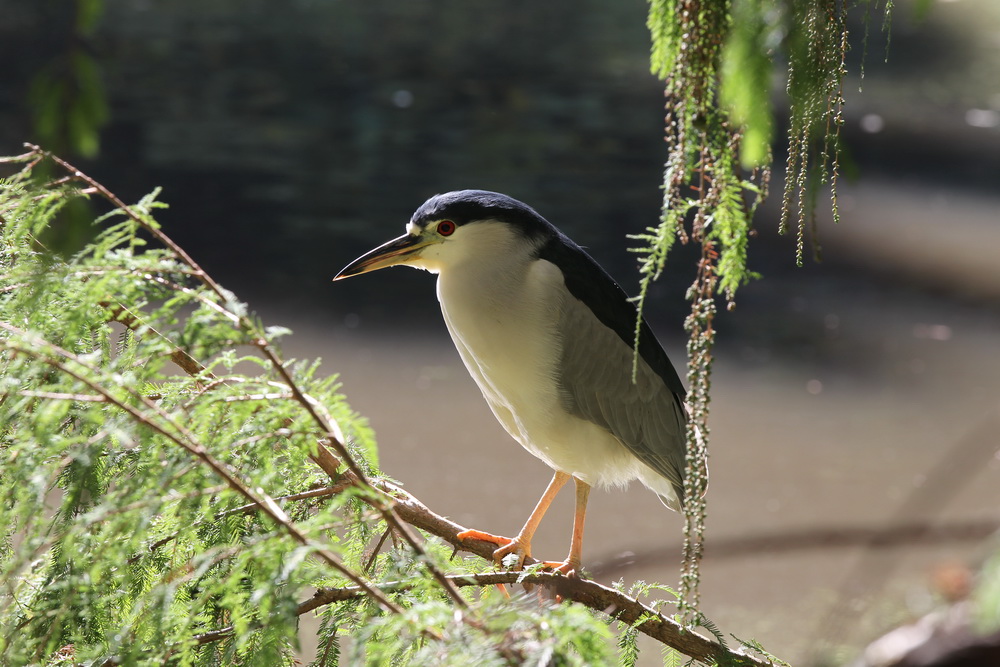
(388, 254)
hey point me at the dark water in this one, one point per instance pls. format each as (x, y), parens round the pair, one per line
(288, 135)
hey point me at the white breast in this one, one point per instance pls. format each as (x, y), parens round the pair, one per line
(502, 312)
(497, 324)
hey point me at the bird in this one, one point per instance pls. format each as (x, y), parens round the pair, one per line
(547, 335)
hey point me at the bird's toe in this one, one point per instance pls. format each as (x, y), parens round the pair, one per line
(467, 535)
(506, 546)
(516, 547)
(566, 567)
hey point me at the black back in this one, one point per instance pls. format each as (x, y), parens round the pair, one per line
(590, 283)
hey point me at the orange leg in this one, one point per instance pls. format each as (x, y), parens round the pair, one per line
(575, 557)
(521, 545)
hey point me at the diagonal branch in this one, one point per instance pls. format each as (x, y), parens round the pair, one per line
(127, 210)
(318, 492)
(615, 604)
(185, 361)
(399, 509)
(333, 437)
(409, 509)
(54, 356)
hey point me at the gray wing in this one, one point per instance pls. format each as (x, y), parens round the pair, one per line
(595, 378)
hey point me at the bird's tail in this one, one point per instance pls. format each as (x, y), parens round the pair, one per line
(674, 502)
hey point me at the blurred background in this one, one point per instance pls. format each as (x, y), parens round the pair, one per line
(856, 407)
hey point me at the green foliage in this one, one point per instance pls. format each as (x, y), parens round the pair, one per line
(754, 645)
(628, 645)
(705, 197)
(718, 59)
(119, 545)
(160, 498)
(67, 99)
(816, 54)
(745, 77)
(508, 632)
(986, 597)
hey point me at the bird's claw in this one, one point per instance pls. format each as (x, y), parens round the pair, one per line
(517, 548)
(506, 546)
(567, 567)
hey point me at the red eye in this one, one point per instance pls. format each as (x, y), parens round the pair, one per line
(446, 228)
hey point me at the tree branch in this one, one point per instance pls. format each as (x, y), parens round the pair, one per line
(53, 355)
(333, 437)
(399, 509)
(591, 594)
(319, 492)
(185, 361)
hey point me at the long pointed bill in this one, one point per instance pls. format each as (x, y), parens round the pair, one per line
(388, 254)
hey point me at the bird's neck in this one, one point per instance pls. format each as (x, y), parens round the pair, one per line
(483, 281)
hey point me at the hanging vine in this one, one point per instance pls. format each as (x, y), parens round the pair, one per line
(717, 59)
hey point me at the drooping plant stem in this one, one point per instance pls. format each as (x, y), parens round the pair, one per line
(717, 59)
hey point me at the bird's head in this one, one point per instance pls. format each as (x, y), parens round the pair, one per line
(455, 227)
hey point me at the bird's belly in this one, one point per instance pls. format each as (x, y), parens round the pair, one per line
(515, 380)
(563, 441)
(513, 360)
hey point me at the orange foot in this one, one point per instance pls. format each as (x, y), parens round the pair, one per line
(506, 545)
(567, 567)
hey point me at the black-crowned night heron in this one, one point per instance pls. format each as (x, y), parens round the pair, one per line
(547, 335)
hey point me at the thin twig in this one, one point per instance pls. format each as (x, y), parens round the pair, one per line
(591, 594)
(367, 569)
(127, 210)
(332, 434)
(187, 363)
(258, 397)
(23, 157)
(243, 509)
(180, 436)
(58, 396)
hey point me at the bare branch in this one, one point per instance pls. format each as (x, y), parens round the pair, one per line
(23, 157)
(187, 363)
